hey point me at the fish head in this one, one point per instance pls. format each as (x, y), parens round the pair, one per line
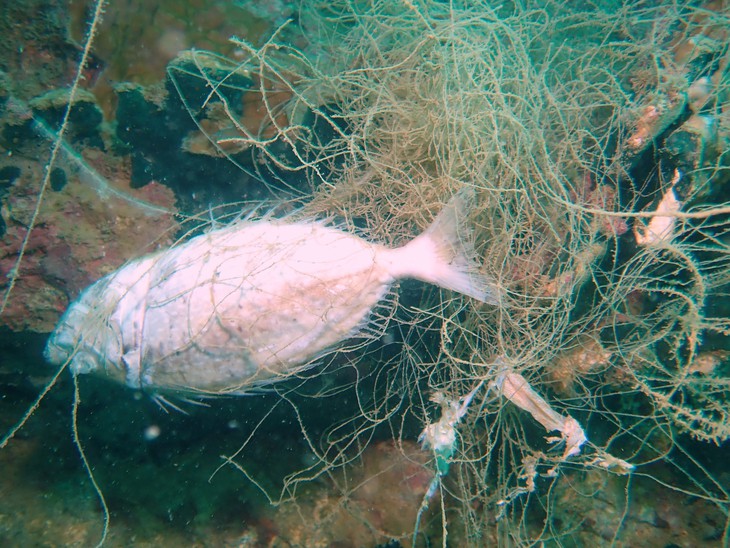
(85, 338)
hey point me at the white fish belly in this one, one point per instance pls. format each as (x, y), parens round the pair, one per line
(248, 304)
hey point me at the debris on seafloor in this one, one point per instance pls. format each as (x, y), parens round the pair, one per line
(517, 390)
(587, 358)
(654, 119)
(661, 225)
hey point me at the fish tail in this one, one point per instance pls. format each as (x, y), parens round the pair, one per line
(444, 254)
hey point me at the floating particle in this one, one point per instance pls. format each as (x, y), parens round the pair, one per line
(152, 432)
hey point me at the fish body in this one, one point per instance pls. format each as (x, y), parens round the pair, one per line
(250, 303)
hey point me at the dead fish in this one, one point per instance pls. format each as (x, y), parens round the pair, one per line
(252, 303)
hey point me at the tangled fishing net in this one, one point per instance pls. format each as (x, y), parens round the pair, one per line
(557, 117)
(596, 140)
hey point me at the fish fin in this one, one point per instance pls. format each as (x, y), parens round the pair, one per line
(444, 254)
(167, 404)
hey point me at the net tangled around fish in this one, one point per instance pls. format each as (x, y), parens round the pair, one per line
(595, 139)
(543, 113)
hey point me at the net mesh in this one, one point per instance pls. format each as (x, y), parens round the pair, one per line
(547, 112)
(607, 233)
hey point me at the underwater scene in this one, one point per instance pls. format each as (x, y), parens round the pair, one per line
(378, 273)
